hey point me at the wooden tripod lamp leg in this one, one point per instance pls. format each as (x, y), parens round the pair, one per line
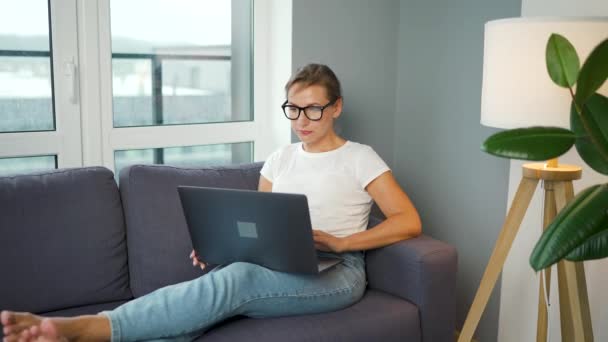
(574, 301)
(549, 213)
(567, 328)
(565, 312)
(520, 204)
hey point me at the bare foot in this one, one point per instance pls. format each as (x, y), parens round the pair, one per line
(26, 327)
(46, 332)
(49, 332)
(17, 322)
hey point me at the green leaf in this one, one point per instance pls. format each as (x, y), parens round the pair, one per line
(532, 143)
(584, 216)
(592, 145)
(593, 73)
(562, 61)
(595, 247)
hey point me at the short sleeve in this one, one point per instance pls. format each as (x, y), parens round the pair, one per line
(269, 170)
(369, 166)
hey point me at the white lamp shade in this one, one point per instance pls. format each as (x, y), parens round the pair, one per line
(517, 90)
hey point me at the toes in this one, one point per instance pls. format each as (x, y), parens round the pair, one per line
(14, 329)
(25, 334)
(7, 318)
(18, 327)
(7, 330)
(34, 331)
(11, 338)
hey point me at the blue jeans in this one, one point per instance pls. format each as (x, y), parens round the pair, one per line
(184, 311)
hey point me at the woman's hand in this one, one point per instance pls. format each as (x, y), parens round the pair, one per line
(196, 261)
(328, 243)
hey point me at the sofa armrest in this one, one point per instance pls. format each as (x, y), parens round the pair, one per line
(423, 271)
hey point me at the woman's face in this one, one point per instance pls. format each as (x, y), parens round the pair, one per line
(309, 131)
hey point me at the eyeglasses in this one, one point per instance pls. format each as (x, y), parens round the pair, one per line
(313, 113)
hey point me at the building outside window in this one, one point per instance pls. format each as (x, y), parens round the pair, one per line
(119, 82)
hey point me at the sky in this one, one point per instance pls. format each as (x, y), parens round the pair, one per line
(192, 22)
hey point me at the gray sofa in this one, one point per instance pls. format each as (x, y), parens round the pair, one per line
(73, 243)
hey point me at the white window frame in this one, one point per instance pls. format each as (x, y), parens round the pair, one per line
(65, 140)
(272, 67)
(272, 55)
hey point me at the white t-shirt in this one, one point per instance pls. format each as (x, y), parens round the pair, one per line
(334, 183)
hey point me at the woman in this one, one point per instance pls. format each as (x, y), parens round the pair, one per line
(340, 179)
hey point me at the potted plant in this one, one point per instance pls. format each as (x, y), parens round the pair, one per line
(580, 230)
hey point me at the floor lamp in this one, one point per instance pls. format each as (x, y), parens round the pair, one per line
(517, 92)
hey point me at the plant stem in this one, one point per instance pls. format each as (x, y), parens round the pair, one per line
(579, 111)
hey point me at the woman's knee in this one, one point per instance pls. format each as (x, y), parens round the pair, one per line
(242, 271)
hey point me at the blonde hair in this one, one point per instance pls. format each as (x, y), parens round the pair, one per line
(317, 74)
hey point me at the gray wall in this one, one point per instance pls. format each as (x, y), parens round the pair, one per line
(461, 192)
(357, 39)
(411, 73)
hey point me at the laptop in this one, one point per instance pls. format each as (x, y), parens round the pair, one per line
(264, 228)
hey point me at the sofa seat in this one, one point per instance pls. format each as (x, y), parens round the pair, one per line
(376, 317)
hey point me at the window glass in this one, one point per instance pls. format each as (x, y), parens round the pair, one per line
(179, 65)
(18, 165)
(26, 90)
(187, 156)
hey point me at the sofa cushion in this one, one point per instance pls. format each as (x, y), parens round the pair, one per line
(376, 317)
(157, 235)
(63, 240)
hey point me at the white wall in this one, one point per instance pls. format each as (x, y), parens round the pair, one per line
(566, 8)
(519, 295)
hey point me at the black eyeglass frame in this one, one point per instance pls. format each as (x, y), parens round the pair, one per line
(300, 109)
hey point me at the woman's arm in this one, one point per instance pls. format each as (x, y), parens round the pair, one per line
(264, 184)
(402, 220)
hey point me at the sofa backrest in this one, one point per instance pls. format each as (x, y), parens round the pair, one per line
(62, 240)
(157, 235)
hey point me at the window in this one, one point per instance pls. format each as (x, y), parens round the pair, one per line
(39, 121)
(117, 82)
(181, 77)
(25, 67)
(26, 94)
(188, 156)
(11, 166)
(176, 65)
